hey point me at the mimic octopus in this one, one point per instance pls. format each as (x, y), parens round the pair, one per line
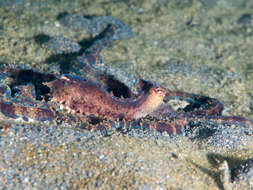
(100, 101)
(31, 96)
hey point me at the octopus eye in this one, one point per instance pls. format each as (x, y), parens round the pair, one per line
(160, 90)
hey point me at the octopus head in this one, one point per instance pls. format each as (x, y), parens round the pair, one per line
(153, 99)
(156, 96)
(158, 92)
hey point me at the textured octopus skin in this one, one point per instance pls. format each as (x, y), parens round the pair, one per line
(89, 98)
(88, 102)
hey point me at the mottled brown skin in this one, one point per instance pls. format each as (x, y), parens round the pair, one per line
(21, 106)
(33, 96)
(89, 98)
(25, 112)
(89, 102)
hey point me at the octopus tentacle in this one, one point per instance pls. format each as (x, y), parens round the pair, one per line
(198, 105)
(26, 113)
(91, 98)
(89, 102)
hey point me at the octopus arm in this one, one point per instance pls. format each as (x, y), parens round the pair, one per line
(89, 98)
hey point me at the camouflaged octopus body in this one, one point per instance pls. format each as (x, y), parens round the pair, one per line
(26, 97)
(89, 98)
(25, 94)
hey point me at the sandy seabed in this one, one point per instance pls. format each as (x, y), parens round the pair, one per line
(202, 47)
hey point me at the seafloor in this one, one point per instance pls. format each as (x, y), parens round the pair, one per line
(202, 47)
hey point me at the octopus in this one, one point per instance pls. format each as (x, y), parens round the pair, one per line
(100, 101)
(30, 96)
